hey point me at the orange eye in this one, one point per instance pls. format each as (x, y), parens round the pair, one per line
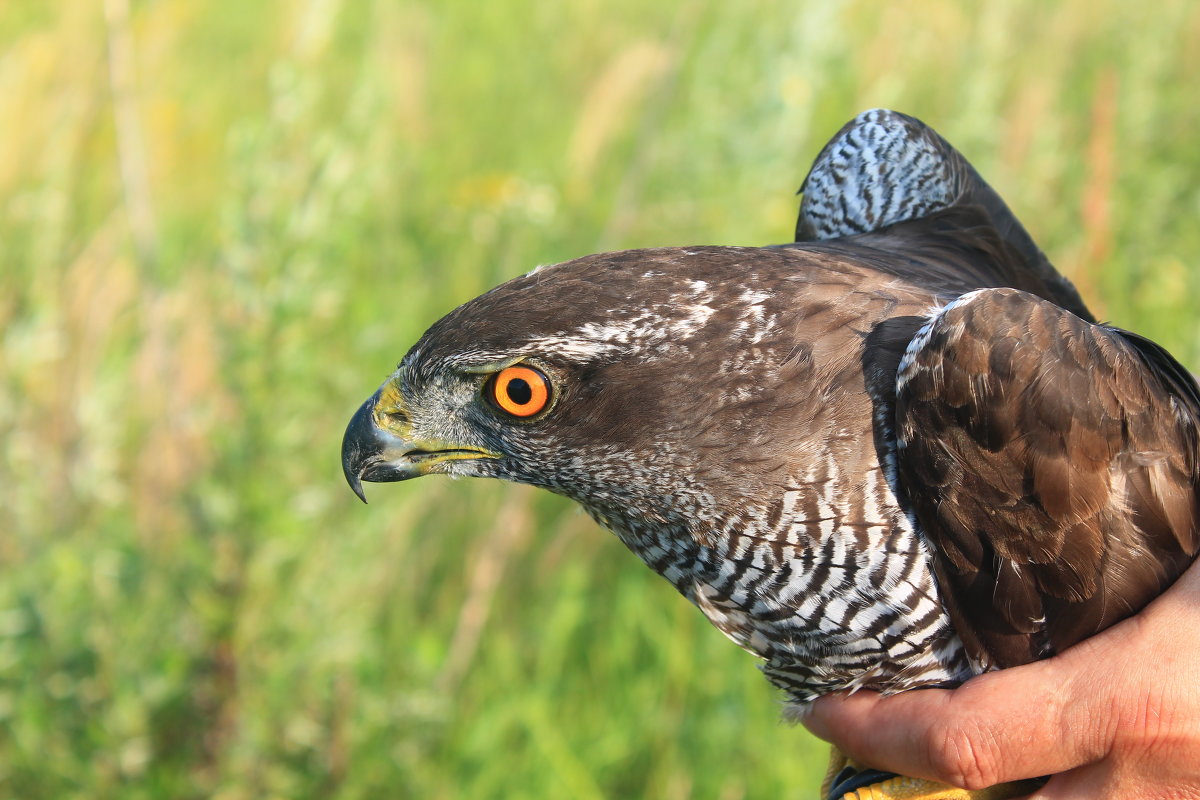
(521, 391)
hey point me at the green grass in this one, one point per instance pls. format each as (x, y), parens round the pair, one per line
(224, 222)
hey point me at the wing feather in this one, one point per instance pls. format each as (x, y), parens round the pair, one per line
(884, 169)
(1052, 465)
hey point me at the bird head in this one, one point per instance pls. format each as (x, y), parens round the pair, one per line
(659, 383)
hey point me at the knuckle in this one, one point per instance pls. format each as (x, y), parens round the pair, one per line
(960, 756)
(1149, 722)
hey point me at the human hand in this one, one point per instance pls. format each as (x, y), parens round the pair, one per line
(1116, 716)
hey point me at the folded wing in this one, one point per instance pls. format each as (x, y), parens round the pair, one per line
(1052, 465)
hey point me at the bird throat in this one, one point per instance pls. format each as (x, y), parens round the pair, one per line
(830, 584)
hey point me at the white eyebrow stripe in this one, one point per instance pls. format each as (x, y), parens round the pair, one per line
(656, 328)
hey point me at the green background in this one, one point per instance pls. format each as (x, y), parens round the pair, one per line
(222, 223)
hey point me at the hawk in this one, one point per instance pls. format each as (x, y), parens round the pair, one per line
(895, 453)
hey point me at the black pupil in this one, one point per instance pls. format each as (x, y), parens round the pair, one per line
(519, 391)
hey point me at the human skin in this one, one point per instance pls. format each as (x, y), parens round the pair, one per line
(1116, 716)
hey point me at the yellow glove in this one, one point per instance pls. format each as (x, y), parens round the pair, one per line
(846, 780)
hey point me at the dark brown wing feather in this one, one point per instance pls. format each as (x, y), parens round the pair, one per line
(1052, 464)
(948, 253)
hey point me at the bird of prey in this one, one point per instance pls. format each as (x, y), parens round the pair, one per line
(895, 453)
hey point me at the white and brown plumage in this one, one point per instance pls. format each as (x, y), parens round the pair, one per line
(893, 454)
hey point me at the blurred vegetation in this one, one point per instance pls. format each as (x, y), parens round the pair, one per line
(224, 222)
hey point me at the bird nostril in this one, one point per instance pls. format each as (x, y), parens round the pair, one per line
(391, 416)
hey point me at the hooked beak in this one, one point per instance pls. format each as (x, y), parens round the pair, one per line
(387, 452)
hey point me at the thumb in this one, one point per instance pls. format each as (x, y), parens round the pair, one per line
(997, 727)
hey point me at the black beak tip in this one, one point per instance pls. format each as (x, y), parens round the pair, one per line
(356, 448)
(356, 484)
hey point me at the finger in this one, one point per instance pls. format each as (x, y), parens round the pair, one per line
(1039, 719)
(998, 727)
